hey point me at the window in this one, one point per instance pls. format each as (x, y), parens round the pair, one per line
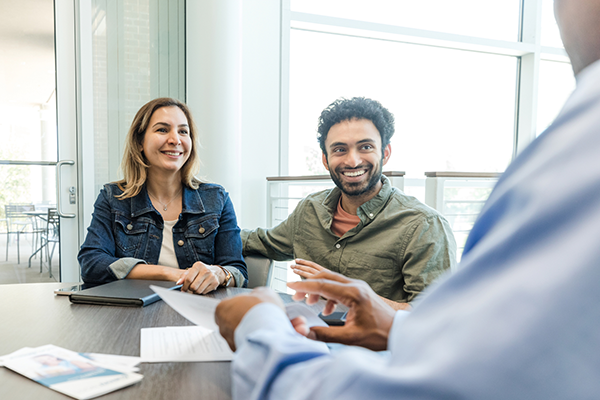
(494, 19)
(454, 109)
(456, 74)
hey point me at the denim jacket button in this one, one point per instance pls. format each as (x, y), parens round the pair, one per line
(201, 230)
(129, 227)
(180, 243)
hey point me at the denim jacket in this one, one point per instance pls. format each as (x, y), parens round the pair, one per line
(124, 233)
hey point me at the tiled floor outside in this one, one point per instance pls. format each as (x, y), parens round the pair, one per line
(13, 272)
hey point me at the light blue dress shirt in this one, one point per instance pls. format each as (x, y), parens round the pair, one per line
(519, 320)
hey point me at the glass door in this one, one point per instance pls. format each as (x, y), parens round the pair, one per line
(38, 178)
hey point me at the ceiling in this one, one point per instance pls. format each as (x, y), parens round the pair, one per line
(26, 52)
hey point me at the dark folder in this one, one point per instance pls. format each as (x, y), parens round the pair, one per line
(124, 292)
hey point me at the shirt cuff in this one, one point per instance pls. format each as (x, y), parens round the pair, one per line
(123, 266)
(239, 278)
(261, 316)
(399, 318)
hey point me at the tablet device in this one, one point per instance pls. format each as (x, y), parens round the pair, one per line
(124, 292)
(68, 290)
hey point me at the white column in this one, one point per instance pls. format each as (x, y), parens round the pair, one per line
(233, 88)
(261, 107)
(214, 65)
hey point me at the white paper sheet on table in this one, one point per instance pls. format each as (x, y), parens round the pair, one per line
(183, 343)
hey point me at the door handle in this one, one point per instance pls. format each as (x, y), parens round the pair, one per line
(58, 186)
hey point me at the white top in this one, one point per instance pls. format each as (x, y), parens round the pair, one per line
(167, 249)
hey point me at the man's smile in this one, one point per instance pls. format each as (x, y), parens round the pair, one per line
(354, 173)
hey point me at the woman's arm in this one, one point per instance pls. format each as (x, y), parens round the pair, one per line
(98, 252)
(155, 272)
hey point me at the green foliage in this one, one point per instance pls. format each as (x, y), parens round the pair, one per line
(15, 183)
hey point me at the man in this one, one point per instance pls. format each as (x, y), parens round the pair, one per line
(519, 320)
(363, 228)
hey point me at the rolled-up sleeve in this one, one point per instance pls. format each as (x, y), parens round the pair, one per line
(428, 252)
(97, 254)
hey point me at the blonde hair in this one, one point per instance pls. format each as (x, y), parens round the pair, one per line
(134, 165)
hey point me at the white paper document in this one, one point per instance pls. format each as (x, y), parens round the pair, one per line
(200, 310)
(183, 343)
(197, 309)
(202, 342)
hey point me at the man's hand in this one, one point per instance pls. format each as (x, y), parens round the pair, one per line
(307, 269)
(201, 278)
(230, 311)
(369, 318)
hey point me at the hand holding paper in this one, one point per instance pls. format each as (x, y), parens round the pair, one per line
(201, 310)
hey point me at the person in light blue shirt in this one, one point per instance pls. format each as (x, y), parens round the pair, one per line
(519, 320)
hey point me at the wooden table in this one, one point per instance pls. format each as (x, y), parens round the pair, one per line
(31, 315)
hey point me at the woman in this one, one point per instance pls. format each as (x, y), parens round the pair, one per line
(160, 222)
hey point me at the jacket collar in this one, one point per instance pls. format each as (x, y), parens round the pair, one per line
(191, 204)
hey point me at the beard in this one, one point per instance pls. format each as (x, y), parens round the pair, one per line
(358, 188)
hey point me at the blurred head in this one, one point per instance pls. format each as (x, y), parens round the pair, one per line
(135, 163)
(356, 108)
(579, 24)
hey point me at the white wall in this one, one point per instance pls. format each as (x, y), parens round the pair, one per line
(233, 75)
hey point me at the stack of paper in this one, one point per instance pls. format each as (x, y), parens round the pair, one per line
(202, 342)
(82, 376)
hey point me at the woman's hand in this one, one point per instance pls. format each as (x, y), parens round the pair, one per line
(201, 278)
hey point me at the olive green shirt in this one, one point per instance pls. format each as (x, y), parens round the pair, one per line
(399, 246)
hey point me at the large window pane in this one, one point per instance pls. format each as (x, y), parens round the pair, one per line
(556, 83)
(454, 109)
(27, 81)
(550, 33)
(29, 140)
(497, 19)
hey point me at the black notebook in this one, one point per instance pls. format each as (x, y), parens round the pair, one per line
(124, 292)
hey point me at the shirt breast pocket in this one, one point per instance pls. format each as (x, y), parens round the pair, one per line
(377, 271)
(128, 236)
(201, 234)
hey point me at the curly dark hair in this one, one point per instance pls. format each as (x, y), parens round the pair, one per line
(356, 108)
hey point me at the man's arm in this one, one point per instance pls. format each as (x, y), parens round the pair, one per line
(276, 243)
(427, 253)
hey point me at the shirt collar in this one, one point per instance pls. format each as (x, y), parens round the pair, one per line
(369, 210)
